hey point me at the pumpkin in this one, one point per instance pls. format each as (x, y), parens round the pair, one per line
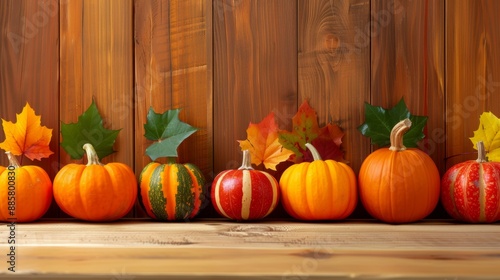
(172, 191)
(244, 193)
(470, 191)
(399, 184)
(318, 190)
(31, 188)
(95, 191)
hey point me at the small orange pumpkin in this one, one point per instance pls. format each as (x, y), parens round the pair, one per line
(25, 192)
(318, 190)
(95, 192)
(399, 185)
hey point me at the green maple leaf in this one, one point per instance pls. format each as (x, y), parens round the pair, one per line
(88, 129)
(379, 123)
(167, 131)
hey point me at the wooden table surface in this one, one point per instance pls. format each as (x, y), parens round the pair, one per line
(218, 249)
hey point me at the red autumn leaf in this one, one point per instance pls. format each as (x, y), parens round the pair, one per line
(305, 129)
(262, 142)
(328, 144)
(326, 140)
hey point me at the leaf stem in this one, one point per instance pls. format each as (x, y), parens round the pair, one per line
(481, 153)
(92, 157)
(314, 152)
(246, 163)
(12, 160)
(397, 133)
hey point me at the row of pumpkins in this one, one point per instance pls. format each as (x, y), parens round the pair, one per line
(395, 185)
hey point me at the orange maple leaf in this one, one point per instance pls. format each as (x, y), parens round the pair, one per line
(27, 136)
(263, 143)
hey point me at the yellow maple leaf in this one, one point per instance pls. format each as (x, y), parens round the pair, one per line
(26, 136)
(489, 133)
(263, 144)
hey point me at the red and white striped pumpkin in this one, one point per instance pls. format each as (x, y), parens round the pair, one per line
(245, 193)
(470, 191)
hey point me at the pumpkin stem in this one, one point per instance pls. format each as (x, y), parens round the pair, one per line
(314, 152)
(12, 160)
(171, 160)
(92, 157)
(246, 163)
(397, 133)
(481, 153)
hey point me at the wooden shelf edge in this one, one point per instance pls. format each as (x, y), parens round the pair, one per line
(218, 249)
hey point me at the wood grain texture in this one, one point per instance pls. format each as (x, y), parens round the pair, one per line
(172, 47)
(407, 39)
(173, 70)
(255, 70)
(97, 62)
(274, 250)
(29, 68)
(334, 67)
(472, 72)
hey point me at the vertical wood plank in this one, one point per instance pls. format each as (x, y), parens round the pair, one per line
(29, 68)
(408, 61)
(173, 69)
(97, 62)
(171, 62)
(334, 67)
(255, 70)
(472, 72)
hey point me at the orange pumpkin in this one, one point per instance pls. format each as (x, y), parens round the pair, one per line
(318, 190)
(95, 192)
(25, 192)
(399, 185)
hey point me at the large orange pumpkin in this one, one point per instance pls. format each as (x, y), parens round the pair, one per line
(95, 192)
(399, 184)
(25, 192)
(318, 190)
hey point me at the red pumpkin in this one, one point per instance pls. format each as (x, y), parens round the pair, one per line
(470, 191)
(244, 194)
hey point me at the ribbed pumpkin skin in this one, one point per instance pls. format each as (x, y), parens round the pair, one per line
(96, 193)
(470, 191)
(33, 193)
(171, 192)
(320, 190)
(399, 186)
(244, 194)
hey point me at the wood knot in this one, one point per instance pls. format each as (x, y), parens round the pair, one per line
(331, 42)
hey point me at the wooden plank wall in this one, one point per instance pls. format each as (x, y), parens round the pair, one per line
(230, 62)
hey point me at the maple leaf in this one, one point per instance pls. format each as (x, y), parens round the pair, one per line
(27, 136)
(88, 129)
(167, 131)
(263, 143)
(489, 133)
(379, 123)
(326, 140)
(305, 129)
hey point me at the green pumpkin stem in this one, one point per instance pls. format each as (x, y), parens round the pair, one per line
(171, 160)
(246, 163)
(12, 160)
(314, 152)
(397, 133)
(92, 157)
(481, 153)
